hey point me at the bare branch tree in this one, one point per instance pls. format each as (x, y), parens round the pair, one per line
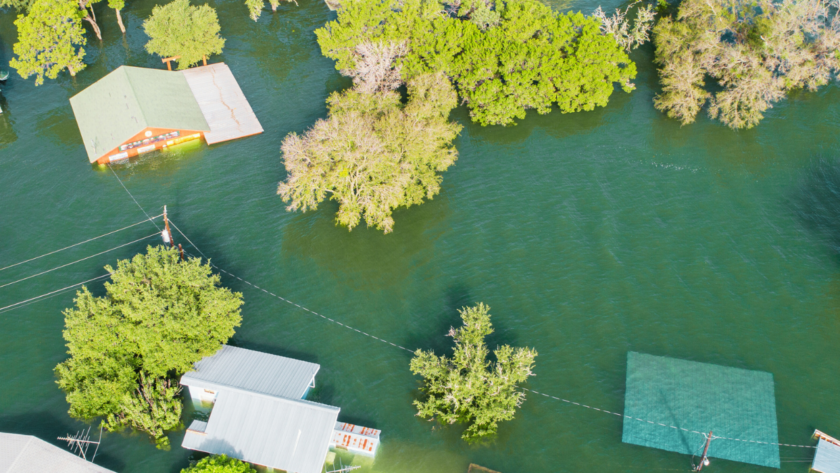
(376, 69)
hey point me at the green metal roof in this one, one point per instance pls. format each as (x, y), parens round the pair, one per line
(700, 397)
(130, 99)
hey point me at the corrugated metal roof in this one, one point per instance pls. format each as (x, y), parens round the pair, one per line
(285, 434)
(253, 371)
(130, 99)
(222, 102)
(28, 454)
(827, 459)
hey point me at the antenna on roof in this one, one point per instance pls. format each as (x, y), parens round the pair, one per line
(343, 469)
(81, 441)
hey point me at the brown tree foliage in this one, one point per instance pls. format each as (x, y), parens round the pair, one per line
(757, 51)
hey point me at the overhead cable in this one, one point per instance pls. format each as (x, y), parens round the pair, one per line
(79, 260)
(82, 242)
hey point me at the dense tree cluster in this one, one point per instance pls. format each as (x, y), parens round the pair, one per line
(128, 348)
(468, 388)
(756, 51)
(373, 153)
(180, 29)
(504, 57)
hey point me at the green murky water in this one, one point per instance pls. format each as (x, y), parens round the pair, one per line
(588, 234)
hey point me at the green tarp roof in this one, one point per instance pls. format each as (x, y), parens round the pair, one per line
(731, 402)
(130, 99)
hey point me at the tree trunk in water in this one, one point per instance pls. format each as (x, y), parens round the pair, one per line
(95, 27)
(119, 20)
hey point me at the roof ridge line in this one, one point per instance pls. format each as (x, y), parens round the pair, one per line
(270, 396)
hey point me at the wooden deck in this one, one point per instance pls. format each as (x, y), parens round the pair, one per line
(222, 102)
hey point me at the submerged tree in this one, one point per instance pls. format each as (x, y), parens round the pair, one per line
(50, 37)
(21, 6)
(89, 16)
(504, 57)
(219, 464)
(468, 388)
(118, 5)
(757, 51)
(373, 154)
(255, 7)
(128, 348)
(629, 35)
(179, 29)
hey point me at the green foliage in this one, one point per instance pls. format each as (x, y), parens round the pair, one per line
(219, 464)
(467, 388)
(531, 58)
(49, 40)
(153, 408)
(756, 51)
(158, 317)
(373, 154)
(19, 5)
(179, 29)
(255, 7)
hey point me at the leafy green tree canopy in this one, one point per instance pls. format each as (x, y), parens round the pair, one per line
(505, 59)
(373, 154)
(756, 51)
(50, 37)
(180, 29)
(19, 5)
(468, 388)
(159, 316)
(219, 464)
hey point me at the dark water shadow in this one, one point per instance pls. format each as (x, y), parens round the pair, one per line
(49, 427)
(366, 258)
(817, 203)
(436, 326)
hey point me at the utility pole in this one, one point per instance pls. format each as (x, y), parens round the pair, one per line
(181, 249)
(168, 237)
(705, 460)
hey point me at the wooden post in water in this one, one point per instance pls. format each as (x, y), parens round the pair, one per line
(704, 461)
(181, 249)
(168, 231)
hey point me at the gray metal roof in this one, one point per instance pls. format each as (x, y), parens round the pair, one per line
(285, 434)
(252, 371)
(28, 454)
(827, 459)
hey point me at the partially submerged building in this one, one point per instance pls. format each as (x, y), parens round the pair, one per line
(827, 457)
(26, 454)
(672, 404)
(259, 415)
(135, 110)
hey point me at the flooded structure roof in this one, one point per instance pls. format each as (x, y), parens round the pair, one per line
(26, 453)
(285, 434)
(827, 458)
(131, 99)
(258, 413)
(253, 371)
(698, 398)
(222, 102)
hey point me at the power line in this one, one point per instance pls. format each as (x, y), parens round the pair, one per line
(411, 351)
(80, 243)
(15, 305)
(78, 261)
(131, 195)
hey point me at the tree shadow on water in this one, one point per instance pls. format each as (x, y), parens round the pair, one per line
(817, 203)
